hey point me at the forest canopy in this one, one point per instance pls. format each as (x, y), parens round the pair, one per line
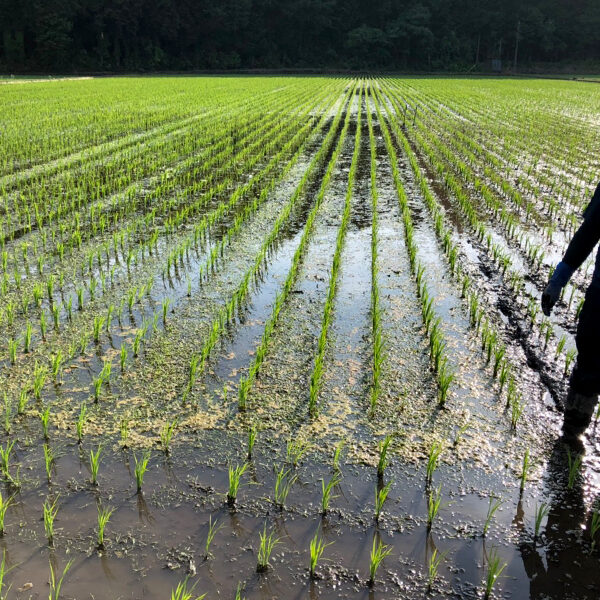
(150, 35)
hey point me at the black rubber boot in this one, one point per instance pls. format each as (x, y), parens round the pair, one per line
(579, 410)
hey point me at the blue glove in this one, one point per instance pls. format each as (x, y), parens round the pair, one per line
(557, 282)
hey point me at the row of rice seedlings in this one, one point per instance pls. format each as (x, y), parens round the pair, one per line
(317, 372)
(378, 347)
(226, 313)
(492, 347)
(96, 331)
(514, 278)
(247, 381)
(438, 350)
(210, 148)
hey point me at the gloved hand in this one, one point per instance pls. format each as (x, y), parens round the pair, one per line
(550, 297)
(557, 282)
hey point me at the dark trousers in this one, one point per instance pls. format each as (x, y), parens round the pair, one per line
(585, 379)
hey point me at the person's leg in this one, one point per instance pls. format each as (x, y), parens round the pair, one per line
(585, 380)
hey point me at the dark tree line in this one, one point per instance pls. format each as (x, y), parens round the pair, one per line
(134, 35)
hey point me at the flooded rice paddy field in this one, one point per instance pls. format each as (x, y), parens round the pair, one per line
(244, 316)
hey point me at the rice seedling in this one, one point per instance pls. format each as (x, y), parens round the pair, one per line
(81, 420)
(95, 464)
(541, 512)
(213, 529)
(27, 338)
(104, 515)
(50, 509)
(141, 466)
(124, 431)
(381, 495)
(12, 351)
(4, 571)
(434, 503)
(327, 492)
(238, 592)
(49, 461)
(575, 463)
(251, 442)
(493, 506)
(5, 452)
(337, 454)
(57, 582)
(383, 450)
(284, 480)
(97, 328)
(316, 548)
(23, 399)
(4, 506)
(265, 549)
(123, 356)
(569, 359)
(235, 476)
(295, 451)
(433, 565)
(166, 435)
(525, 468)
(182, 592)
(460, 432)
(494, 570)
(560, 346)
(517, 406)
(379, 552)
(45, 420)
(7, 414)
(39, 380)
(165, 309)
(594, 528)
(432, 460)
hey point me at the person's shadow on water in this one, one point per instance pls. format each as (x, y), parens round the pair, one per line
(559, 563)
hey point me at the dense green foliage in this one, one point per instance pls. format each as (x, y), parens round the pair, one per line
(126, 35)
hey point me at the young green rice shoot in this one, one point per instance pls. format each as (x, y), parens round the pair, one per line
(4, 505)
(104, 515)
(327, 492)
(383, 450)
(141, 466)
(284, 480)
(379, 552)
(50, 510)
(166, 435)
(594, 528)
(235, 476)
(49, 461)
(494, 570)
(541, 512)
(317, 547)
(213, 528)
(433, 565)
(381, 495)
(81, 420)
(95, 464)
(493, 506)
(525, 468)
(182, 592)
(265, 549)
(575, 463)
(56, 583)
(432, 460)
(434, 503)
(251, 441)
